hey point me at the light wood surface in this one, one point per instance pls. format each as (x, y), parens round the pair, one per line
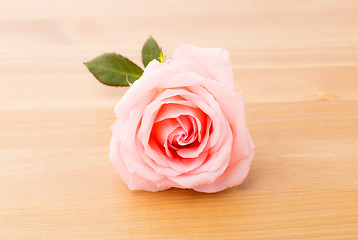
(296, 62)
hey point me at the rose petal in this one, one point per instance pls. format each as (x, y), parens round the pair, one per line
(133, 181)
(184, 165)
(234, 175)
(216, 61)
(128, 146)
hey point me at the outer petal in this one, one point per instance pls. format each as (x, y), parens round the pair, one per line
(216, 62)
(131, 152)
(243, 149)
(235, 115)
(234, 175)
(133, 181)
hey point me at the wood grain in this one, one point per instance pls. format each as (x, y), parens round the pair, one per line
(297, 63)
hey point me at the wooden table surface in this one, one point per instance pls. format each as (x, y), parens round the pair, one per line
(296, 62)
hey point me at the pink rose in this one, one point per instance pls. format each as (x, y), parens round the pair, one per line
(182, 125)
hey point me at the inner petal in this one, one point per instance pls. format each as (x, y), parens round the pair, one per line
(189, 135)
(164, 129)
(193, 150)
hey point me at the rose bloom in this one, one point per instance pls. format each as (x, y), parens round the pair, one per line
(182, 125)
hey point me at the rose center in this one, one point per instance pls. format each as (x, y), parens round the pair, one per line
(173, 135)
(183, 135)
(180, 138)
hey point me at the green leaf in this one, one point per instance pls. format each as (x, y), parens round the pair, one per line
(150, 51)
(114, 69)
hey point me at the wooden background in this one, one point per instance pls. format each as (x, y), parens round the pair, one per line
(296, 61)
